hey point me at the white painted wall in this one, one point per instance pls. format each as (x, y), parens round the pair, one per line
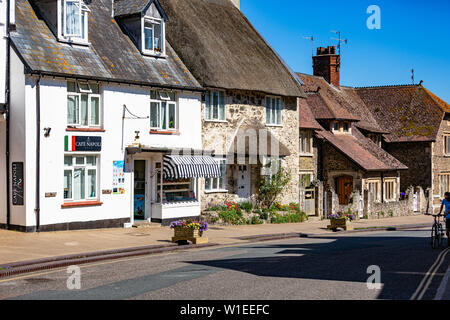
(54, 114)
(2, 171)
(3, 44)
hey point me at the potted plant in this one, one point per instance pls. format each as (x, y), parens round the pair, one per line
(187, 230)
(341, 220)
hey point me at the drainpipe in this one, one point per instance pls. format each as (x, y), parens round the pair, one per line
(37, 209)
(8, 115)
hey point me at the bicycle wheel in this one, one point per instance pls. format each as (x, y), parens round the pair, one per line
(435, 237)
(441, 235)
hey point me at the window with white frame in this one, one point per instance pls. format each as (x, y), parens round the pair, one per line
(374, 187)
(218, 184)
(273, 111)
(80, 177)
(390, 192)
(215, 106)
(306, 142)
(73, 21)
(83, 104)
(447, 144)
(153, 36)
(444, 182)
(163, 110)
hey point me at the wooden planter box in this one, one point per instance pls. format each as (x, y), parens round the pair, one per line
(188, 234)
(340, 223)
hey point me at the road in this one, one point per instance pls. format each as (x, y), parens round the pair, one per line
(319, 268)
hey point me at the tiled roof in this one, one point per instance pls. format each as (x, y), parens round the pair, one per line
(409, 113)
(111, 54)
(362, 151)
(325, 101)
(223, 50)
(306, 117)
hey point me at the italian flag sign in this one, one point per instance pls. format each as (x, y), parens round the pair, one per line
(69, 143)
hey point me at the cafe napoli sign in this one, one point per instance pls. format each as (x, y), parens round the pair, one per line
(82, 143)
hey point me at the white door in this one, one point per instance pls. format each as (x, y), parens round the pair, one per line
(244, 182)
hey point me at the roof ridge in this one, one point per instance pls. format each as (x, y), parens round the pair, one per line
(388, 86)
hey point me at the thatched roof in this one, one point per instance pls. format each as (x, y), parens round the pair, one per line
(223, 50)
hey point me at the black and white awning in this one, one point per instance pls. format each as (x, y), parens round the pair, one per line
(184, 167)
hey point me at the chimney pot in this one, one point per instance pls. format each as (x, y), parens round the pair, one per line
(326, 64)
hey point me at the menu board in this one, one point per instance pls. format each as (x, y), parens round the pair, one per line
(118, 177)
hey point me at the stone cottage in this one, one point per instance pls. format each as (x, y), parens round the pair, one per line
(249, 112)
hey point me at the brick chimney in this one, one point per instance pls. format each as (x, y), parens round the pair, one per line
(326, 64)
(237, 3)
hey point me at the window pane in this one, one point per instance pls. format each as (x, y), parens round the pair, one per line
(273, 109)
(91, 160)
(68, 161)
(95, 114)
(148, 35)
(158, 37)
(172, 116)
(73, 12)
(207, 183)
(154, 114)
(67, 184)
(278, 111)
(153, 94)
(172, 96)
(268, 113)
(78, 184)
(164, 115)
(221, 105)
(71, 86)
(215, 105)
(72, 109)
(84, 110)
(223, 175)
(79, 160)
(215, 183)
(208, 106)
(92, 183)
(95, 88)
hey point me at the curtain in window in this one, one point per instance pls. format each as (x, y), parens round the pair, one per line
(78, 184)
(72, 109)
(148, 33)
(158, 37)
(92, 183)
(67, 184)
(84, 110)
(95, 114)
(154, 114)
(164, 115)
(73, 15)
(172, 116)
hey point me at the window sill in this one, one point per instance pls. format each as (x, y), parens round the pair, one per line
(173, 133)
(71, 41)
(69, 129)
(81, 204)
(309, 155)
(274, 125)
(215, 191)
(154, 55)
(215, 121)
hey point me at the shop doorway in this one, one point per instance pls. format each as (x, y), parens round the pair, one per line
(344, 189)
(140, 186)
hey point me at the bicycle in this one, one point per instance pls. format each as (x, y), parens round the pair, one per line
(437, 232)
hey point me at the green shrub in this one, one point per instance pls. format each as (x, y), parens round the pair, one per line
(255, 220)
(246, 206)
(289, 218)
(232, 217)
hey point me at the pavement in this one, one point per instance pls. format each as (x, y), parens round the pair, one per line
(17, 246)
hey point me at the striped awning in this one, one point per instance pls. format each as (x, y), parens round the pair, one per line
(183, 167)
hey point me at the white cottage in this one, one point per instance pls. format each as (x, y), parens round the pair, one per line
(105, 119)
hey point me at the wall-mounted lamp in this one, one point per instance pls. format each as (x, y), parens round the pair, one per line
(47, 132)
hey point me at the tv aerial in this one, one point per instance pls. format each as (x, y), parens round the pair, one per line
(340, 40)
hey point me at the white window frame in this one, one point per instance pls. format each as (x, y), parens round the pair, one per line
(218, 187)
(82, 39)
(168, 102)
(447, 144)
(394, 190)
(270, 109)
(378, 183)
(447, 189)
(306, 138)
(209, 104)
(153, 21)
(86, 167)
(89, 95)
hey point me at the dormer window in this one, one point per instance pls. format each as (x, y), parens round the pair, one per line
(153, 36)
(73, 21)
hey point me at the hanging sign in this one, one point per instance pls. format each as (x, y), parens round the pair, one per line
(82, 143)
(17, 183)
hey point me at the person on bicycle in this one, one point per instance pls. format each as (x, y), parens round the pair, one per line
(446, 205)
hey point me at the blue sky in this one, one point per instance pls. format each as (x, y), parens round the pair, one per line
(414, 34)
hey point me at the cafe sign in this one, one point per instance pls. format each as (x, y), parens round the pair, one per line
(82, 143)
